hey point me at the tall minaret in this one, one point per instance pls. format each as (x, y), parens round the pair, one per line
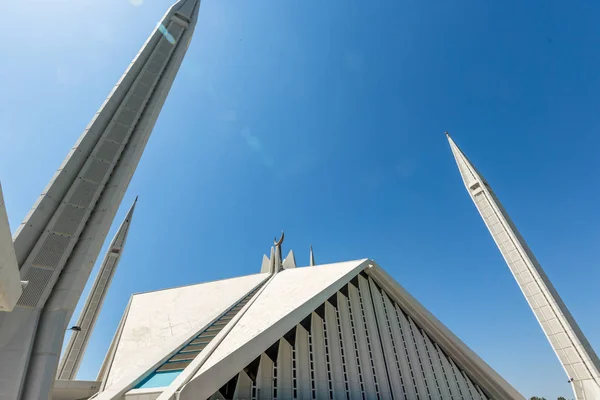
(73, 355)
(59, 241)
(570, 345)
(10, 279)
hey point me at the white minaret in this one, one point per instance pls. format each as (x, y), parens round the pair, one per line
(75, 351)
(58, 243)
(570, 345)
(10, 279)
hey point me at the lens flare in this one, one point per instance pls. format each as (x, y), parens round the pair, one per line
(166, 34)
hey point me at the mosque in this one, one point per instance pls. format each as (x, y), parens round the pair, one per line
(336, 331)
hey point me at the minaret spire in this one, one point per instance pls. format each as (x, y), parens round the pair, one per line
(312, 257)
(75, 351)
(59, 241)
(10, 279)
(570, 345)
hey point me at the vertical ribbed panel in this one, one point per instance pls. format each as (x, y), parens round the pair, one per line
(366, 368)
(350, 349)
(424, 359)
(482, 395)
(335, 352)
(284, 371)
(417, 367)
(460, 380)
(374, 326)
(470, 386)
(438, 389)
(303, 364)
(320, 365)
(387, 342)
(243, 388)
(403, 363)
(440, 373)
(328, 363)
(264, 380)
(449, 373)
(357, 346)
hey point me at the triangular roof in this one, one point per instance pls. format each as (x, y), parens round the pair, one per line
(288, 298)
(156, 323)
(280, 304)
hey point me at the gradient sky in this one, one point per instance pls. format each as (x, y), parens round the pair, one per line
(326, 119)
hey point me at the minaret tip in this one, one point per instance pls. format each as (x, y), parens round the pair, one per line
(447, 134)
(136, 198)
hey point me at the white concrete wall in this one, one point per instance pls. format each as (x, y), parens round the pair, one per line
(394, 353)
(159, 322)
(10, 279)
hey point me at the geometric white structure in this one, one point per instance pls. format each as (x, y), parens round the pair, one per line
(575, 353)
(343, 331)
(58, 243)
(10, 279)
(75, 350)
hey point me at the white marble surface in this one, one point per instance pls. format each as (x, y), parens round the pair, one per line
(159, 322)
(10, 279)
(284, 302)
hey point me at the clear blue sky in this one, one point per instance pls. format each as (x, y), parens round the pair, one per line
(326, 119)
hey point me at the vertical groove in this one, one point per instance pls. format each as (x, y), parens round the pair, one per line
(407, 353)
(419, 358)
(312, 366)
(294, 374)
(327, 360)
(343, 354)
(385, 358)
(357, 354)
(394, 346)
(366, 327)
(435, 378)
(469, 385)
(274, 392)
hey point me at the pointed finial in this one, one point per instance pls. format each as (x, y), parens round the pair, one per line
(447, 134)
(278, 242)
(312, 257)
(135, 201)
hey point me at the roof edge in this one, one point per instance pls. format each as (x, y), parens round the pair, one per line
(484, 375)
(205, 384)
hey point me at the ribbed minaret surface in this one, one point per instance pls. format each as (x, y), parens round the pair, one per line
(570, 345)
(60, 239)
(75, 350)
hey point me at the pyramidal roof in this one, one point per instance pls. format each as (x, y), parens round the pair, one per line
(205, 335)
(156, 323)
